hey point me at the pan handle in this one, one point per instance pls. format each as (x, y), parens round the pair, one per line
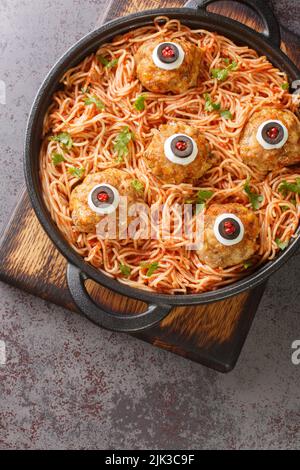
(107, 319)
(259, 6)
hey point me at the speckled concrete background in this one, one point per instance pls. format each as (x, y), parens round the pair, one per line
(70, 385)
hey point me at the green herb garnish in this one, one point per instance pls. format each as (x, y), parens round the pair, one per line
(254, 198)
(203, 195)
(125, 270)
(137, 185)
(78, 172)
(85, 90)
(247, 264)
(222, 74)
(94, 100)
(285, 86)
(280, 244)
(286, 187)
(210, 105)
(106, 63)
(226, 114)
(151, 268)
(121, 142)
(64, 138)
(57, 158)
(139, 103)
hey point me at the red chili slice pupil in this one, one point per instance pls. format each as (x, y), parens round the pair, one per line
(273, 132)
(229, 228)
(168, 51)
(181, 145)
(103, 196)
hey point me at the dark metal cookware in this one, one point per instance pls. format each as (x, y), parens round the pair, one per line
(159, 305)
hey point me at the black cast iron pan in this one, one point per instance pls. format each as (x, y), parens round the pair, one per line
(159, 305)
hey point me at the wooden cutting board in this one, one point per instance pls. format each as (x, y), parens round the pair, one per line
(212, 335)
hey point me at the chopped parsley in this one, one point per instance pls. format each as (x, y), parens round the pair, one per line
(151, 268)
(94, 100)
(286, 187)
(280, 244)
(222, 74)
(226, 114)
(137, 185)
(247, 264)
(57, 158)
(125, 270)
(78, 172)
(107, 63)
(203, 195)
(85, 90)
(211, 106)
(254, 198)
(63, 138)
(285, 86)
(121, 142)
(139, 103)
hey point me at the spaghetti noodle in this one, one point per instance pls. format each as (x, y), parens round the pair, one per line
(255, 84)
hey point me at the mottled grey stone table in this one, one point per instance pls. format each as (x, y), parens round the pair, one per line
(68, 384)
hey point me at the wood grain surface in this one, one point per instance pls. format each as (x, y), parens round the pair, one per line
(212, 335)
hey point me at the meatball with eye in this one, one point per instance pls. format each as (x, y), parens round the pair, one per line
(99, 195)
(271, 140)
(177, 153)
(230, 235)
(164, 67)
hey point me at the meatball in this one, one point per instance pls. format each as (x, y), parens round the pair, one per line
(177, 80)
(170, 170)
(225, 242)
(263, 159)
(84, 218)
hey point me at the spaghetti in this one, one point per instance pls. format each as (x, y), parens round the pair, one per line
(255, 84)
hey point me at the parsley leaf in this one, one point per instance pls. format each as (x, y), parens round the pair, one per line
(139, 103)
(254, 198)
(203, 195)
(222, 74)
(285, 86)
(94, 100)
(125, 270)
(226, 114)
(151, 268)
(121, 142)
(106, 63)
(85, 90)
(137, 185)
(64, 138)
(57, 158)
(280, 244)
(210, 105)
(247, 264)
(286, 187)
(78, 172)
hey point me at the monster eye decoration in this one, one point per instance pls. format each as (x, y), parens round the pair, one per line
(168, 56)
(104, 199)
(228, 229)
(272, 135)
(180, 149)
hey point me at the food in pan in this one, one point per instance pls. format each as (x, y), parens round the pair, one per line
(230, 235)
(178, 153)
(217, 131)
(271, 140)
(98, 196)
(163, 66)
